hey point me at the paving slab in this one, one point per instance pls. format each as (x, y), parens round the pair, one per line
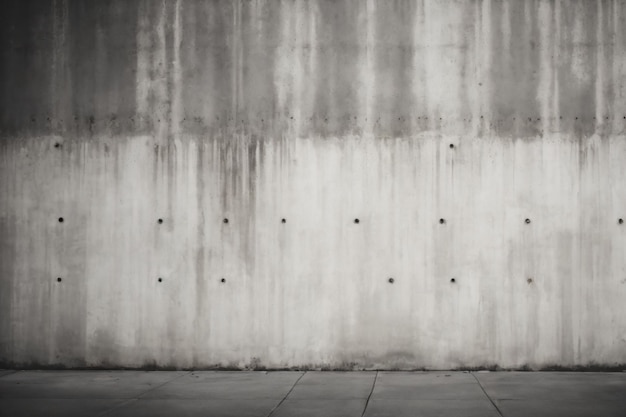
(430, 408)
(83, 384)
(195, 407)
(591, 386)
(321, 408)
(334, 385)
(28, 407)
(427, 386)
(228, 386)
(563, 408)
(327, 394)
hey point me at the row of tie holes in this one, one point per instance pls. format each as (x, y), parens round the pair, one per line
(58, 145)
(357, 221)
(530, 119)
(391, 280)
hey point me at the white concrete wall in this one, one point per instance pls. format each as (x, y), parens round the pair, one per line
(319, 113)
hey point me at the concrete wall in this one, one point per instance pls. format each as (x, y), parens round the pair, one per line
(484, 113)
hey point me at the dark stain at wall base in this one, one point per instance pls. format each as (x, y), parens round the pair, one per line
(352, 366)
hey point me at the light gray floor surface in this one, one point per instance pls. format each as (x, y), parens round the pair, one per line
(308, 394)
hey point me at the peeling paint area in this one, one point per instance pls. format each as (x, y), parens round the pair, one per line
(317, 184)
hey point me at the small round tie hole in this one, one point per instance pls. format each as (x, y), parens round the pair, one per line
(225, 221)
(60, 219)
(453, 280)
(527, 221)
(223, 280)
(620, 221)
(57, 145)
(160, 279)
(452, 146)
(442, 221)
(356, 221)
(283, 220)
(160, 221)
(59, 279)
(391, 280)
(529, 280)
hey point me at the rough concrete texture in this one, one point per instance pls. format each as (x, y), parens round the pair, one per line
(483, 114)
(311, 394)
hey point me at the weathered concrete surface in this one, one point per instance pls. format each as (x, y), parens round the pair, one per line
(116, 114)
(311, 394)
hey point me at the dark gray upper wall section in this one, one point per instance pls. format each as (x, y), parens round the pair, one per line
(67, 66)
(312, 68)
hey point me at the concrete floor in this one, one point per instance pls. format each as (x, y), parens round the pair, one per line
(302, 394)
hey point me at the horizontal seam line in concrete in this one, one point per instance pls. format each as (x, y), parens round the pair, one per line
(286, 395)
